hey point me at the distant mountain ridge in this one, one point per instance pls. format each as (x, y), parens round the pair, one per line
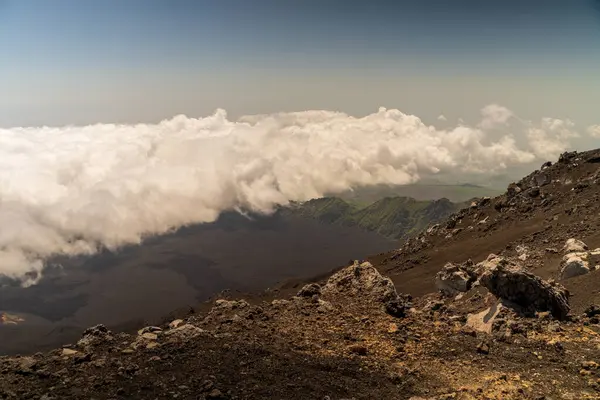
(423, 191)
(393, 217)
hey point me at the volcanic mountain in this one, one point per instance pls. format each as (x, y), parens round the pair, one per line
(497, 301)
(246, 252)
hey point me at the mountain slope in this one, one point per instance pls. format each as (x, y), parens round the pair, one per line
(352, 335)
(540, 212)
(393, 217)
(421, 191)
(178, 270)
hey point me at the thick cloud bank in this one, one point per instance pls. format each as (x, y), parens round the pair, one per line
(74, 190)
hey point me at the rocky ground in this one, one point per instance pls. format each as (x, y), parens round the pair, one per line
(532, 220)
(502, 307)
(352, 337)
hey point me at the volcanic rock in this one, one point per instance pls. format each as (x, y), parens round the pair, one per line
(484, 321)
(592, 311)
(510, 282)
(365, 281)
(454, 279)
(574, 266)
(574, 245)
(95, 335)
(310, 290)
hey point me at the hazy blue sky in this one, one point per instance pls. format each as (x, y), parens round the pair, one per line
(83, 61)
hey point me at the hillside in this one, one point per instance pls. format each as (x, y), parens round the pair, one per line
(393, 217)
(140, 283)
(422, 191)
(498, 301)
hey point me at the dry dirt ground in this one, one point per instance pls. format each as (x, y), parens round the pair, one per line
(338, 342)
(339, 345)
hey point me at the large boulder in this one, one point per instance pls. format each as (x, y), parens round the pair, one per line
(457, 278)
(364, 281)
(541, 179)
(94, 336)
(574, 265)
(454, 279)
(577, 259)
(309, 290)
(510, 282)
(490, 262)
(573, 245)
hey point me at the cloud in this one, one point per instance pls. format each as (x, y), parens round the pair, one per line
(594, 131)
(551, 138)
(442, 117)
(494, 115)
(74, 190)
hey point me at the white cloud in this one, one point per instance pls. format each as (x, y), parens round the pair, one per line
(594, 131)
(73, 190)
(551, 138)
(442, 117)
(494, 115)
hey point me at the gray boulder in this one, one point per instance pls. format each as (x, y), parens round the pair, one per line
(510, 282)
(454, 279)
(541, 179)
(364, 281)
(94, 336)
(310, 290)
(574, 265)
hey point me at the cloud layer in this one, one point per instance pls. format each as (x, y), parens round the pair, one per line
(594, 131)
(73, 190)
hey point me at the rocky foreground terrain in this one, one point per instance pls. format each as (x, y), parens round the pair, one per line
(500, 301)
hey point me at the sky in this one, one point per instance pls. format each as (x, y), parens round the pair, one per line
(81, 61)
(129, 118)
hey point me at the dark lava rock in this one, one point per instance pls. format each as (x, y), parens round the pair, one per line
(534, 192)
(518, 286)
(483, 348)
(592, 311)
(359, 349)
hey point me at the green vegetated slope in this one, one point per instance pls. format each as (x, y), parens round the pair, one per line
(393, 217)
(419, 191)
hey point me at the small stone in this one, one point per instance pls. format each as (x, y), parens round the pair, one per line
(483, 348)
(69, 352)
(150, 336)
(359, 349)
(589, 365)
(393, 328)
(127, 351)
(149, 329)
(592, 311)
(82, 358)
(585, 372)
(151, 345)
(175, 323)
(215, 394)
